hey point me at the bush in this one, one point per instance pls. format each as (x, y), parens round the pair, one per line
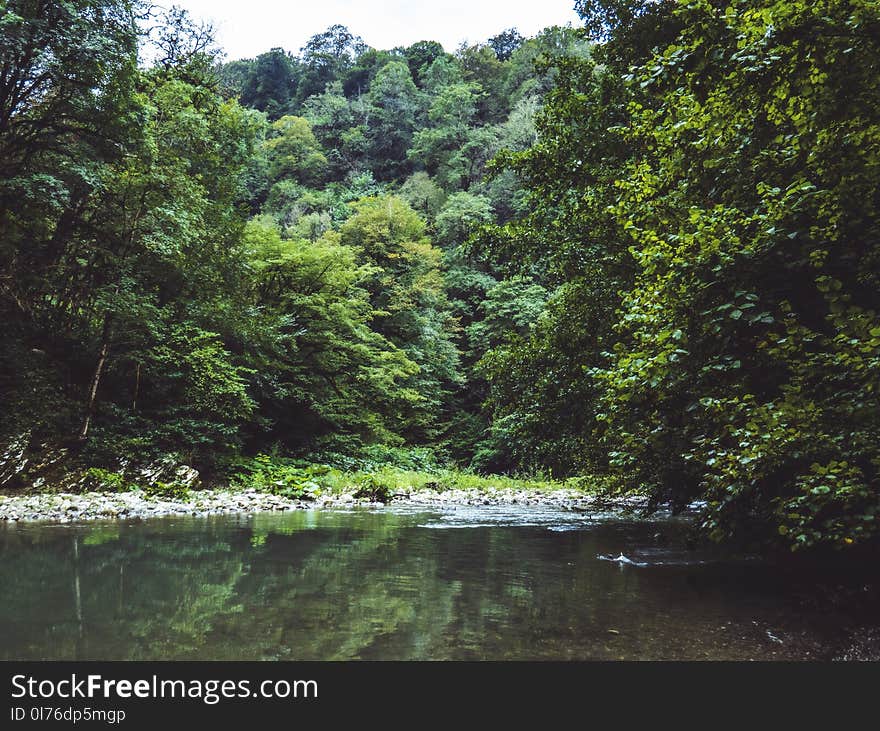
(280, 476)
(97, 478)
(167, 490)
(374, 489)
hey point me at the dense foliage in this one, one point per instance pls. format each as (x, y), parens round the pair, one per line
(646, 250)
(711, 211)
(203, 258)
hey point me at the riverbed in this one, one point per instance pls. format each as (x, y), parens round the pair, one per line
(412, 581)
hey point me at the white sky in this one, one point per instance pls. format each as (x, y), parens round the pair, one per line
(246, 28)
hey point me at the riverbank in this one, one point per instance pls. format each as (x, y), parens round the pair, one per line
(47, 483)
(139, 504)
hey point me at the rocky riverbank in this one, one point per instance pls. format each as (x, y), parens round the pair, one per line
(138, 504)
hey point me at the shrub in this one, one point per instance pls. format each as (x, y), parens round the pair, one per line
(168, 490)
(97, 478)
(374, 489)
(279, 476)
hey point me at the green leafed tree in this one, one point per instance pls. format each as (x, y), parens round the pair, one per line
(294, 152)
(407, 290)
(395, 107)
(319, 366)
(706, 194)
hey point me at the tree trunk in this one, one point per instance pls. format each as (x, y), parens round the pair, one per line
(96, 379)
(137, 387)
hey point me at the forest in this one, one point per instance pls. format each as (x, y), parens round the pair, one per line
(643, 252)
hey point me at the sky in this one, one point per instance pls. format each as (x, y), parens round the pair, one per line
(246, 28)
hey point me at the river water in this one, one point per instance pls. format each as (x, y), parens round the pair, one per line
(398, 583)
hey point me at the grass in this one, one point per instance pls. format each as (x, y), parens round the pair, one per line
(378, 475)
(303, 479)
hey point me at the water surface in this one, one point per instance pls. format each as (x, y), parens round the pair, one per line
(401, 583)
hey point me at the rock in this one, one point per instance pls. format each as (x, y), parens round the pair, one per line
(138, 505)
(186, 475)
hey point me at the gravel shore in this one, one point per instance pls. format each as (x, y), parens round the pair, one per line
(66, 508)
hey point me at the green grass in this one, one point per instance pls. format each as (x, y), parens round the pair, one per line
(303, 479)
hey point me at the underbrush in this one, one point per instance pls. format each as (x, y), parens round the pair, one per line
(98, 478)
(379, 475)
(304, 479)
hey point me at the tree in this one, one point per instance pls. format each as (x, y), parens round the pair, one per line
(751, 360)
(325, 57)
(505, 43)
(134, 266)
(530, 71)
(450, 117)
(270, 83)
(461, 215)
(68, 71)
(294, 152)
(159, 235)
(419, 57)
(337, 123)
(443, 71)
(423, 195)
(541, 395)
(182, 44)
(517, 134)
(321, 368)
(68, 110)
(395, 107)
(480, 66)
(407, 290)
(357, 78)
(714, 225)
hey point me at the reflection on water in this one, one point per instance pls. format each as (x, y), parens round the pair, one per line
(486, 583)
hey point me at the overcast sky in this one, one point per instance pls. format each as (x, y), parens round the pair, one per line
(246, 28)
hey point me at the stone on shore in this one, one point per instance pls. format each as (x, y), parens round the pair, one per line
(69, 507)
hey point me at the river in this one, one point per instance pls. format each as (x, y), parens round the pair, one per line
(488, 582)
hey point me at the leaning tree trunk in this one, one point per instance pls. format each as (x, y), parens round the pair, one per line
(96, 378)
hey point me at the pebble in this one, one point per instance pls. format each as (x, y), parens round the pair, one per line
(137, 504)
